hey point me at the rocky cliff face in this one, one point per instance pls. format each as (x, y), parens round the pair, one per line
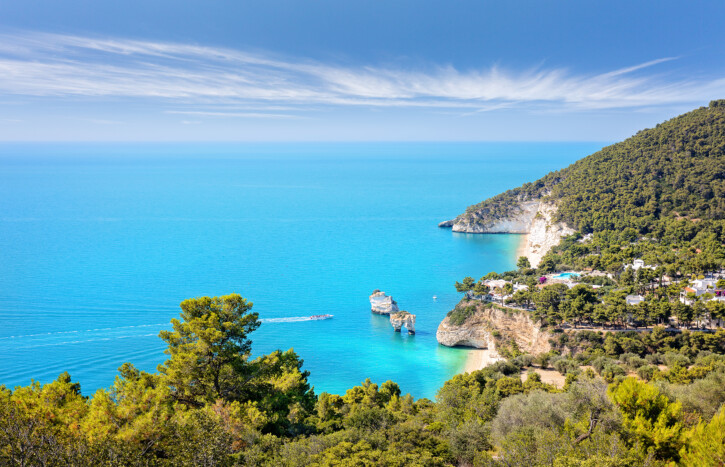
(534, 218)
(476, 222)
(544, 233)
(483, 322)
(382, 304)
(403, 318)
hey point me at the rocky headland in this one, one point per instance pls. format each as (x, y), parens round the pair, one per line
(535, 218)
(403, 319)
(382, 304)
(486, 326)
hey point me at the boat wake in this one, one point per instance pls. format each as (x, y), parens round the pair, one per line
(80, 331)
(295, 319)
(57, 338)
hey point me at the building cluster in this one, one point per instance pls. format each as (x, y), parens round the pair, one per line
(703, 288)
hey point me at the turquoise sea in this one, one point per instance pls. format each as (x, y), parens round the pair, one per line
(100, 243)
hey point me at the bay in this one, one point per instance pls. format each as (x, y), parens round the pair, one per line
(100, 242)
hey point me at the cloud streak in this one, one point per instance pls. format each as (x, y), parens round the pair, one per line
(174, 74)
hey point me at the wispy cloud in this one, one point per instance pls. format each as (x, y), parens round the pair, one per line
(174, 74)
(206, 113)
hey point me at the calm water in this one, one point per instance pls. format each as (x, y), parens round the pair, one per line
(99, 244)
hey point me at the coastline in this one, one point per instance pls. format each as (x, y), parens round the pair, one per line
(523, 247)
(478, 359)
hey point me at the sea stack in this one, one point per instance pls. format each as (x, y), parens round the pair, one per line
(382, 304)
(403, 318)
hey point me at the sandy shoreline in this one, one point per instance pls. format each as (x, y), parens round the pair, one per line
(523, 246)
(480, 358)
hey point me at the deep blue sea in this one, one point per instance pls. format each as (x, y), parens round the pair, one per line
(100, 243)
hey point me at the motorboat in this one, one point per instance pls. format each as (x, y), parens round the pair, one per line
(321, 316)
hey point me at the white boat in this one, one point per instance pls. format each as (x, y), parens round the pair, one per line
(435, 298)
(321, 316)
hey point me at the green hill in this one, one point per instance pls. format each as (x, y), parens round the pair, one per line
(665, 184)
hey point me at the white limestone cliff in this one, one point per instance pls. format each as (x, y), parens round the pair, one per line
(544, 233)
(533, 218)
(479, 329)
(382, 304)
(403, 319)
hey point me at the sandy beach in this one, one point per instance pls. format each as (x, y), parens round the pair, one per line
(523, 246)
(480, 358)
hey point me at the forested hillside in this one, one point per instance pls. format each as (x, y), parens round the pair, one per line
(665, 185)
(674, 169)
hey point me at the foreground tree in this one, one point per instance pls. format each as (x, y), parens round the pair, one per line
(649, 417)
(209, 349)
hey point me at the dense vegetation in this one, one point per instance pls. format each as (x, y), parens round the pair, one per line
(656, 197)
(659, 195)
(210, 404)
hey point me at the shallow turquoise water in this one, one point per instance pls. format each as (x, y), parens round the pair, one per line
(99, 244)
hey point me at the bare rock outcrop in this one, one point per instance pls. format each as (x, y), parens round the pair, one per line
(519, 222)
(544, 233)
(484, 324)
(403, 318)
(534, 218)
(382, 304)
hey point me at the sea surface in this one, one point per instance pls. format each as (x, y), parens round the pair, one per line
(99, 243)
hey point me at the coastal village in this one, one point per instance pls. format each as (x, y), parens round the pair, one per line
(704, 289)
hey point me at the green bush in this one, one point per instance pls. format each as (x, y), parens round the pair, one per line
(600, 363)
(647, 372)
(524, 360)
(654, 359)
(674, 358)
(459, 315)
(566, 366)
(612, 371)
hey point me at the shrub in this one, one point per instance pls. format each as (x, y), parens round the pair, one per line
(566, 366)
(647, 372)
(524, 360)
(654, 358)
(506, 367)
(624, 358)
(600, 363)
(581, 358)
(611, 371)
(674, 359)
(544, 359)
(459, 315)
(709, 359)
(632, 361)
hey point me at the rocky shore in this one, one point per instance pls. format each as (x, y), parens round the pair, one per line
(533, 218)
(486, 327)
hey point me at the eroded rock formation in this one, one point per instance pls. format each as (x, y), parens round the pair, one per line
(382, 304)
(534, 218)
(484, 324)
(403, 318)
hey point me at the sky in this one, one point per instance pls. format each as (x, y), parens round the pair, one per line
(318, 70)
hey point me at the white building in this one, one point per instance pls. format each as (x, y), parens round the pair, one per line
(638, 264)
(634, 299)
